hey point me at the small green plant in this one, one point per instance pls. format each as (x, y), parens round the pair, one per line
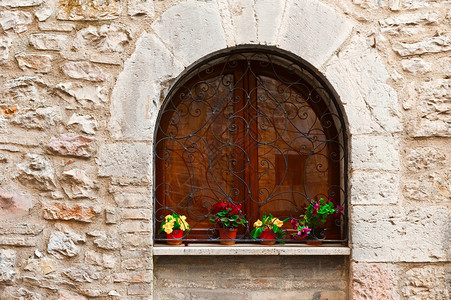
(227, 215)
(316, 214)
(271, 223)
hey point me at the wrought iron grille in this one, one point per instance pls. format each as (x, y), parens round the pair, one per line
(253, 128)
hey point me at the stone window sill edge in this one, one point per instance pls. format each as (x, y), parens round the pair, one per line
(250, 249)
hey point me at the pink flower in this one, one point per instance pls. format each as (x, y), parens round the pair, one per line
(338, 209)
(315, 208)
(304, 232)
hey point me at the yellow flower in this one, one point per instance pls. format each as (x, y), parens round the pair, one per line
(278, 223)
(258, 223)
(183, 224)
(168, 218)
(168, 230)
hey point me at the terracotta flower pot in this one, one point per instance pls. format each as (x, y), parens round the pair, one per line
(268, 236)
(227, 236)
(315, 238)
(175, 237)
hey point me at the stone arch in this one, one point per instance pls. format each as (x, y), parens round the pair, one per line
(319, 34)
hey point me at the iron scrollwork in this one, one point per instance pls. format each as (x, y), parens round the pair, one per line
(252, 128)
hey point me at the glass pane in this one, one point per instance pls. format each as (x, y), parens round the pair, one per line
(193, 148)
(292, 149)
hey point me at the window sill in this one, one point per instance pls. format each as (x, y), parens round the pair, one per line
(251, 249)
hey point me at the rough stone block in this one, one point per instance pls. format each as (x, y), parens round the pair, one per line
(84, 123)
(305, 19)
(136, 260)
(139, 289)
(394, 234)
(191, 30)
(83, 70)
(426, 158)
(27, 90)
(14, 205)
(417, 4)
(18, 241)
(434, 44)
(137, 94)
(37, 171)
(374, 281)
(105, 241)
(68, 144)
(135, 226)
(67, 212)
(19, 293)
(375, 153)
(111, 215)
(124, 160)
(82, 273)
(44, 12)
(269, 18)
(416, 66)
(20, 3)
(410, 19)
(100, 259)
(41, 118)
(107, 38)
(40, 265)
(49, 41)
(88, 10)
(7, 266)
(56, 26)
(435, 104)
(374, 188)
(63, 243)
(66, 295)
(37, 62)
(360, 76)
(244, 21)
(133, 277)
(21, 228)
(88, 95)
(136, 213)
(5, 44)
(430, 188)
(77, 184)
(138, 8)
(18, 21)
(136, 241)
(427, 282)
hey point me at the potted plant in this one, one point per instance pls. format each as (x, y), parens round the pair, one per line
(269, 229)
(228, 217)
(175, 226)
(309, 224)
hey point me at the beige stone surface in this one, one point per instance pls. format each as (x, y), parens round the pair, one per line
(318, 19)
(14, 205)
(138, 93)
(198, 33)
(396, 234)
(81, 86)
(374, 281)
(39, 62)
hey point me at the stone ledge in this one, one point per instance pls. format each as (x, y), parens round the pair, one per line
(251, 249)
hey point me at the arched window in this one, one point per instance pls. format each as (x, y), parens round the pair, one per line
(256, 128)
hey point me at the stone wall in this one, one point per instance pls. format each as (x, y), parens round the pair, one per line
(81, 85)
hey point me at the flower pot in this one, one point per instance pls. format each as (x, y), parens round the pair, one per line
(175, 237)
(315, 237)
(268, 237)
(227, 236)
